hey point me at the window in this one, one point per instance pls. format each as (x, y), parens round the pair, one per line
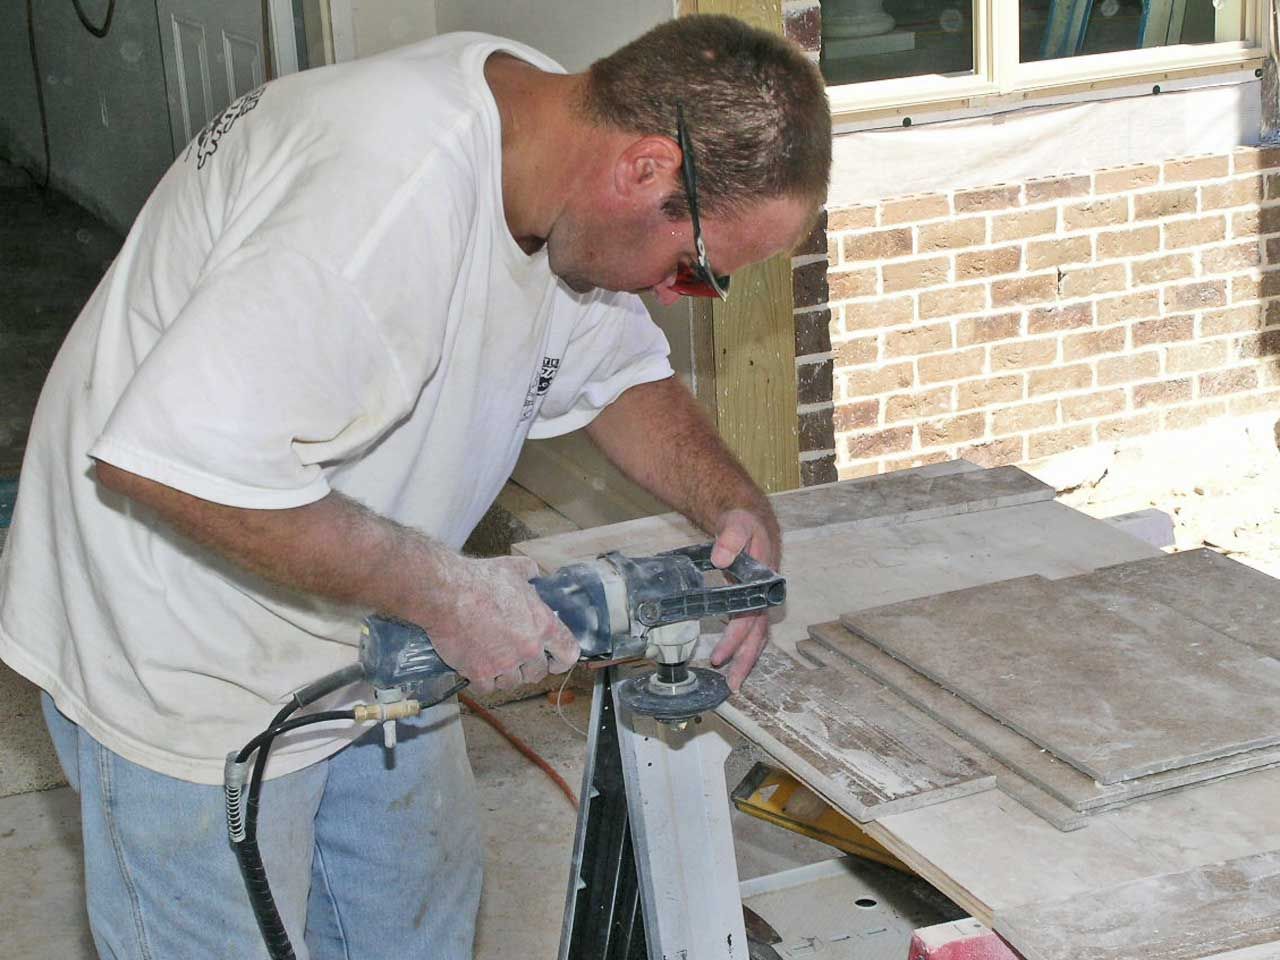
(864, 41)
(1052, 29)
(881, 54)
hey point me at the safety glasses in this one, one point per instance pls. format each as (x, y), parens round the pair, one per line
(698, 279)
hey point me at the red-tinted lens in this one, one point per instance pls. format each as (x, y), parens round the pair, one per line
(690, 283)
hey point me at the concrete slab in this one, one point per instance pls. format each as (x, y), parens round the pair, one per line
(27, 760)
(42, 878)
(1107, 693)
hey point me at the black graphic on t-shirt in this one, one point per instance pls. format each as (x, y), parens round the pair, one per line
(540, 385)
(206, 141)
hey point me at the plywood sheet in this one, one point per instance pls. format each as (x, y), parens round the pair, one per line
(990, 854)
(1203, 912)
(1107, 693)
(838, 735)
(1225, 594)
(831, 570)
(924, 493)
(1077, 790)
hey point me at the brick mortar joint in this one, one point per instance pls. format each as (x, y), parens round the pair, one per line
(1147, 189)
(806, 259)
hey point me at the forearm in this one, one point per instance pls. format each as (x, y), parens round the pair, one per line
(334, 547)
(659, 437)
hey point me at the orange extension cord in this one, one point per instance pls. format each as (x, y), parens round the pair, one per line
(524, 748)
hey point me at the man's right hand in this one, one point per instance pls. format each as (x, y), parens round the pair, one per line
(495, 630)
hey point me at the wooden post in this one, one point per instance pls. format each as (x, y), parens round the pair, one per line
(744, 349)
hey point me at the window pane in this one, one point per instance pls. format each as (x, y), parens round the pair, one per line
(1051, 29)
(881, 39)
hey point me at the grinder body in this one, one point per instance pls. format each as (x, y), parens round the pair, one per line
(618, 608)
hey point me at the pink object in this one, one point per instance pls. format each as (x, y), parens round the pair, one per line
(959, 940)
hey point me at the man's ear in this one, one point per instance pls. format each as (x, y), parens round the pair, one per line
(648, 167)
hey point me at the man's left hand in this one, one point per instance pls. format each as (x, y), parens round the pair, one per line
(745, 637)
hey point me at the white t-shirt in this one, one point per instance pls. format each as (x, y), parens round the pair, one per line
(321, 294)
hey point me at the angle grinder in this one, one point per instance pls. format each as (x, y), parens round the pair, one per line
(618, 608)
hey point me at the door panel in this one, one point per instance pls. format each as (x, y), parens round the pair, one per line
(213, 53)
(191, 70)
(243, 58)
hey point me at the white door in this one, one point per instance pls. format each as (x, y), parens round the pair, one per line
(214, 51)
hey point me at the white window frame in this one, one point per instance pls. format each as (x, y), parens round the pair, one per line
(999, 79)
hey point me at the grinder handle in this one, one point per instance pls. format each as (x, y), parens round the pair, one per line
(753, 587)
(744, 569)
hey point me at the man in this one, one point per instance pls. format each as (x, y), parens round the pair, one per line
(298, 388)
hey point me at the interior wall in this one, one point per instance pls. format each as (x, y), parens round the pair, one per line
(572, 32)
(109, 132)
(384, 24)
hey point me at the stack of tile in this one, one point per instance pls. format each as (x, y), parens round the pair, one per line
(1089, 692)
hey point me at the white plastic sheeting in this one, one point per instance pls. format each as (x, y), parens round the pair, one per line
(1044, 141)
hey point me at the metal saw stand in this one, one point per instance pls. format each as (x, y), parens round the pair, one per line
(654, 874)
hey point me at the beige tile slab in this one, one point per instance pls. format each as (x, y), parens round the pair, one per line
(1118, 697)
(1078, 791)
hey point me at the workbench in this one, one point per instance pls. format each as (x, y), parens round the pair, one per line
(1130, 882)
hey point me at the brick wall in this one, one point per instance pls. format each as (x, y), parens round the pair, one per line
(802, 22)
(1021, 320)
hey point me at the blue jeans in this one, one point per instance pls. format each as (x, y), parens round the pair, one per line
(365, 860)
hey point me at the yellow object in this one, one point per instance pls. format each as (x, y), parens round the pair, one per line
(774, 795)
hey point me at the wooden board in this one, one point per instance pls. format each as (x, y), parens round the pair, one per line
(1107, 693)
(751, 356)
(1202, 912)
(989, 853)
(845, 562)
(847, 742)
(1078, 791)
(1221, 593)
(925, 493)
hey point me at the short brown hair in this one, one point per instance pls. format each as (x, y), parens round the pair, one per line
(754, 104)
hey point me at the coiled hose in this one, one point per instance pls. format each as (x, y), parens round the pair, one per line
(242, 788)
